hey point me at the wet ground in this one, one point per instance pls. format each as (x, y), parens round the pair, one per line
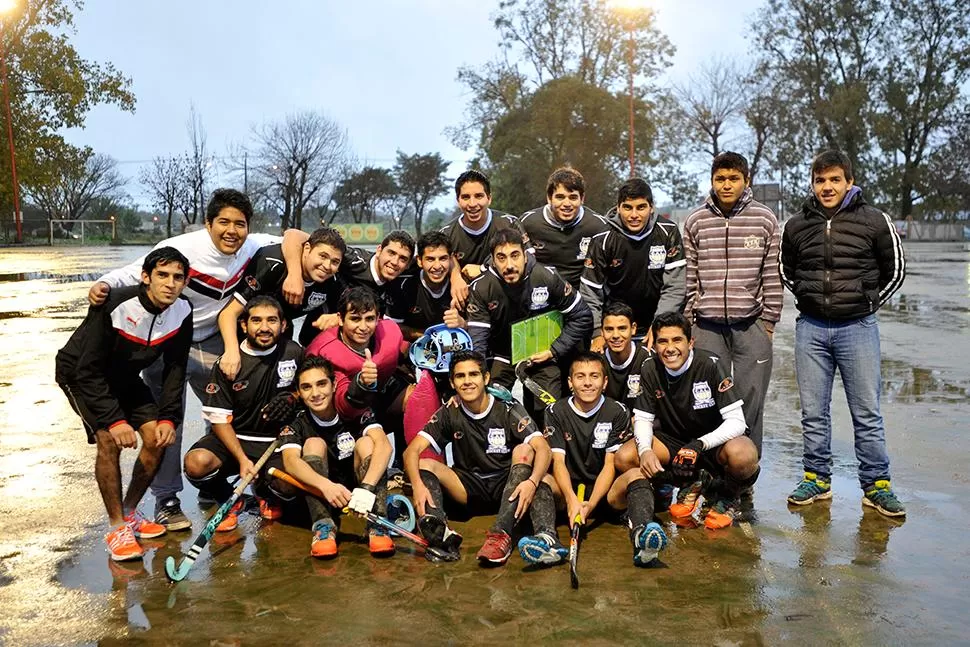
(834, 573)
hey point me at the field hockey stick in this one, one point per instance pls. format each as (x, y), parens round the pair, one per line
(177, 574)
(532, 385)
(389, 525)
(574, 539)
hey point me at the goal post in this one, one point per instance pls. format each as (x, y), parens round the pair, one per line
(74, 234)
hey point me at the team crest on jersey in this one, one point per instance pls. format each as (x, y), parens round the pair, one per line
(345, 445)
(601, 434)
(753, 242)
(316, 299)
(703, 398)
(212, 388)
(240, 386)
(540, 298)
(584, 246)
(658, 257)
(496, 441)
(633, 385)
(287, 371)
(252, 283)
(725, 385)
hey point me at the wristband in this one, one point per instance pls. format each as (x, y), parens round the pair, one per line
(370, 488)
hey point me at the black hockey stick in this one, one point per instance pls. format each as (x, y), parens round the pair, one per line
(533, 386)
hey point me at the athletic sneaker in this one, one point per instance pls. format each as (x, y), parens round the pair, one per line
(122, 544)
(270, 510)
(169, 514)
(543, 548)
(438, 534)
(648, 541)
(880, 496)
(811, 489)
(663, 496)
(688, 498)
(497, 548)
(722, 514)
(395, 479)
(231, 520)
(142, 527)
(324, 543)
(380, 543)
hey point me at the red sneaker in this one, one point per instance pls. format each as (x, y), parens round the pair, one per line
(380, 543)
(270, 510)
(231, 520)
(497, 548)
(122, 544)
(324, 543)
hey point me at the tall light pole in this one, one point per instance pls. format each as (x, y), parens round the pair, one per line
(6, 6)
(628, 10)
(632, 48)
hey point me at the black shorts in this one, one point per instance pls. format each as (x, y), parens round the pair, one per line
(708, 459)
(484, 491)
(253, 451)
(342, 472)
(136, 402)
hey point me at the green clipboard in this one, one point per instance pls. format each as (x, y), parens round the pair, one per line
(535, 334)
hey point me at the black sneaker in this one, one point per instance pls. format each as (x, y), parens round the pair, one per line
(438, 534)
(169, 514)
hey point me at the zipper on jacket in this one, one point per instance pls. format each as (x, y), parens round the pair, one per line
(827, 279)
(727, 235)
(151, 329)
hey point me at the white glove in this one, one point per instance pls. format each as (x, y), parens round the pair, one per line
(361, 501)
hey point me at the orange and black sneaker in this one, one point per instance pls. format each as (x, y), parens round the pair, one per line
(722, 514)
(143, 528)
(324, 542)
(231, 521)
(122, 544)
(270, 510)
(380, 543)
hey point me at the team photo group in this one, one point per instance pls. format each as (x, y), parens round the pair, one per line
(340, 381)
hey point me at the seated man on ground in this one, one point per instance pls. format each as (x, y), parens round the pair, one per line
(500, 458)
(332, 455)
(98, 370)
(240, 432)
(585, 431)
(691, 394)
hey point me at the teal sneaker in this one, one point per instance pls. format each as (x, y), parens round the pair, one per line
(648, 541)
(542, 549)
(880, 496)
(811, 489)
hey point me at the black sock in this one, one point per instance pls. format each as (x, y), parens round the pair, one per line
(319, 510)
(380, 488)
(543, 511)
(214, 485)
(732, 487)
(434, 487)
(505, 520)
(639, 497)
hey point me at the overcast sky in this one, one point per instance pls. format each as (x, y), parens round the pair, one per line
(384, 69)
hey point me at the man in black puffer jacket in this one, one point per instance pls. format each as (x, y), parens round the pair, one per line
(842, 259)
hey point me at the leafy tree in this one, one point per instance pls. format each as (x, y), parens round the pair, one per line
(420, 179)
(362, 192)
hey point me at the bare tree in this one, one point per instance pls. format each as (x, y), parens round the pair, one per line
(709, 102)
(198, 169)
(165, 181)
(300, 159)
(82, 177)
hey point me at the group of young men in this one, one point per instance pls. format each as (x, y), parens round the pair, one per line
(658, 375)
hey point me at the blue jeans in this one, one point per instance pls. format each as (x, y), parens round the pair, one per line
(852, 347)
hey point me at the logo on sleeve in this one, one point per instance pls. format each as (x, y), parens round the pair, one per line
(345, 445)
(496, 441)
(240, 386)
(212, 388)
(584, 247)
(658, 257)
(540, 298)
(601, 434)
(588, 263)
(703, 398)
(673, 251)
(473, 309)
(252, 283)
(286, 371)
(725, 385)
(633, 385)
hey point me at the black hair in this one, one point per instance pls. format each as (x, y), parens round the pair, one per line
(434, 239)
(164, 255)
(634, 188)
(314, 361)
(510, 236)
(359, 299)
(263, 300)
(733, 161)
(222, 198)
(830, 158)
(473, 176)
(466, 356)
(618, 309)
(672, 319)
(591, 357)
(327, 236)
(399, 236)
(569, 178)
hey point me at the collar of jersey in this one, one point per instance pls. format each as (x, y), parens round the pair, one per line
(589, 414)
(324, 423)
(146, 303)
(682, 369)
(548, 217)
(436, 295)
(372, 265)
(249, 350)
(479, 416)
(629, 360)
(476, 232)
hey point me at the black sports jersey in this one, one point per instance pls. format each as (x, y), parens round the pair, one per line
(563, 246)
(262, 375)
(265, 275)
(413, 304)
(481, 443)
(646, 271)
(494, 305)
(586, 438)
(624, 378)
(475, 247)
(341, 437)
(691, 404)
(358, 268)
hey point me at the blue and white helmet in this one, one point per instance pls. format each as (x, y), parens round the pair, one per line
(432, 351)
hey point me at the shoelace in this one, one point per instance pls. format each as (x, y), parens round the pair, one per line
(121, 537)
